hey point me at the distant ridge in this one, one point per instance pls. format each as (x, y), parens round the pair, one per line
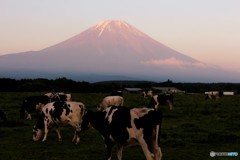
(112, 48)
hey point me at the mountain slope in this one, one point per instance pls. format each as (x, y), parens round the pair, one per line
(110, 48)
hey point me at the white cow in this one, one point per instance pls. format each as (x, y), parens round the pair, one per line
(111, 101)
(59, 113)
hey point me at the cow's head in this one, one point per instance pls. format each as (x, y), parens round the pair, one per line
(39, 107)
(93, 119)
(37, 134)
(86, 120)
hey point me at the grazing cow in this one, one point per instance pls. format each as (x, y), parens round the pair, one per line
(35, 103)
(59, 113)
(125, 127)
(161, 99)
(214, 95)
(111, 101)
(32, 104)
(147, 93)
(59, 96)
(3, 115)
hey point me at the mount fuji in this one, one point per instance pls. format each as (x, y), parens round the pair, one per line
(109, 50)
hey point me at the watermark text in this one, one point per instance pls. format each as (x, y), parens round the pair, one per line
(221, 154)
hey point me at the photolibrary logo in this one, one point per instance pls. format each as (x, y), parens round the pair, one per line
(220, 154)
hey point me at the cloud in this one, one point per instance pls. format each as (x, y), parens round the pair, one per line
(172, 61)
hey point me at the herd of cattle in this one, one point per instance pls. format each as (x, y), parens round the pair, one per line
(117, 124)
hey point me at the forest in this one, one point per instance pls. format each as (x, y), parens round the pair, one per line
(68, 85)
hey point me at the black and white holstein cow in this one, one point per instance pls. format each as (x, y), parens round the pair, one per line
(35, 103)
(32, 104)
(58, 96)
(161, 99)
(110, 101)
(147, 93)
(59, 113)
(125, 127)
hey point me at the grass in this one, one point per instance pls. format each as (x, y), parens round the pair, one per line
(196, 127)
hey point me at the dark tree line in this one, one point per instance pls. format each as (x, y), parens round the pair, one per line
(32, 85)
(68, 85)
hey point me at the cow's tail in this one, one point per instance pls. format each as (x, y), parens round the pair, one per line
(157, 133)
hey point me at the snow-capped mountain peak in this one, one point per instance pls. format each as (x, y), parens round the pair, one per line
(111, 23)
(115, 25)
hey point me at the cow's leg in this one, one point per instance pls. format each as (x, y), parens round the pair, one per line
(46, 125)
(109, 152)
(45, 134)
(29, 116)
(156, 102)
(156, 149)
(109, 144)
(155, 143)
(58, 134)
(160, 152)
(210, 96)
(170, 105)
(157, 153)
(76, 137)
(144, 94)
(156, 106)
(119, 151)
(147, 153)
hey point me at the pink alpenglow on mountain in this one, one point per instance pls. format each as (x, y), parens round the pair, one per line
(111, 47)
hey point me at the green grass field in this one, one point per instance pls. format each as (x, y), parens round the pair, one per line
(196, 127)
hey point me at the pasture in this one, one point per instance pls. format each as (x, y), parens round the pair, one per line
(196, 127)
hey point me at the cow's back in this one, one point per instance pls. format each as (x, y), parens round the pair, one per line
(64, 112)
(112, 101)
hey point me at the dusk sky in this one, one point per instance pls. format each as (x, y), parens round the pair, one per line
(207, 30)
